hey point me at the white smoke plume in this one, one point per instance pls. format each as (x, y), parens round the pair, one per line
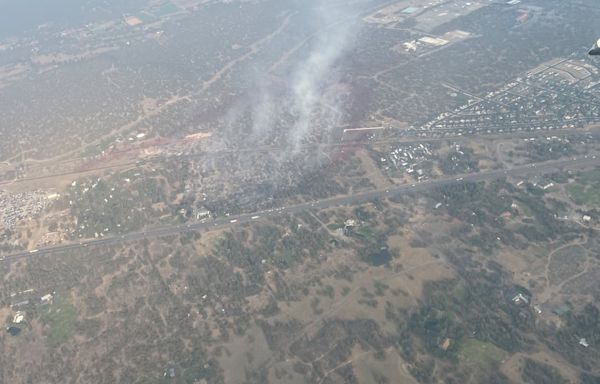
(338, 28)
(307, 105)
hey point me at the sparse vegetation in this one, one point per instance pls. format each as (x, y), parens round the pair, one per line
(299, 247)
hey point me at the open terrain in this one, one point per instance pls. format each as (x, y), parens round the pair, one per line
(275, 191)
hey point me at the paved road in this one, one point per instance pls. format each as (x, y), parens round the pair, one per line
(406, 140)
(522, 171)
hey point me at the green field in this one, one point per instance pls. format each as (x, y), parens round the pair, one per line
(587, 189)
(365, 231)
(165, 9)
(60, 318)
(480, 354)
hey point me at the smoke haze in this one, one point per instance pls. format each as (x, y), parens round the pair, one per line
(308, 109)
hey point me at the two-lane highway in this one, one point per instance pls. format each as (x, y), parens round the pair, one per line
(521, 171)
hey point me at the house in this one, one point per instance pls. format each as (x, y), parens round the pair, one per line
(348, 227)
(46, 298)
(520, 299)
(586, 218)
(18, 317)
(202, 214)
(548, 186)
(583, 342)
(169, 372)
